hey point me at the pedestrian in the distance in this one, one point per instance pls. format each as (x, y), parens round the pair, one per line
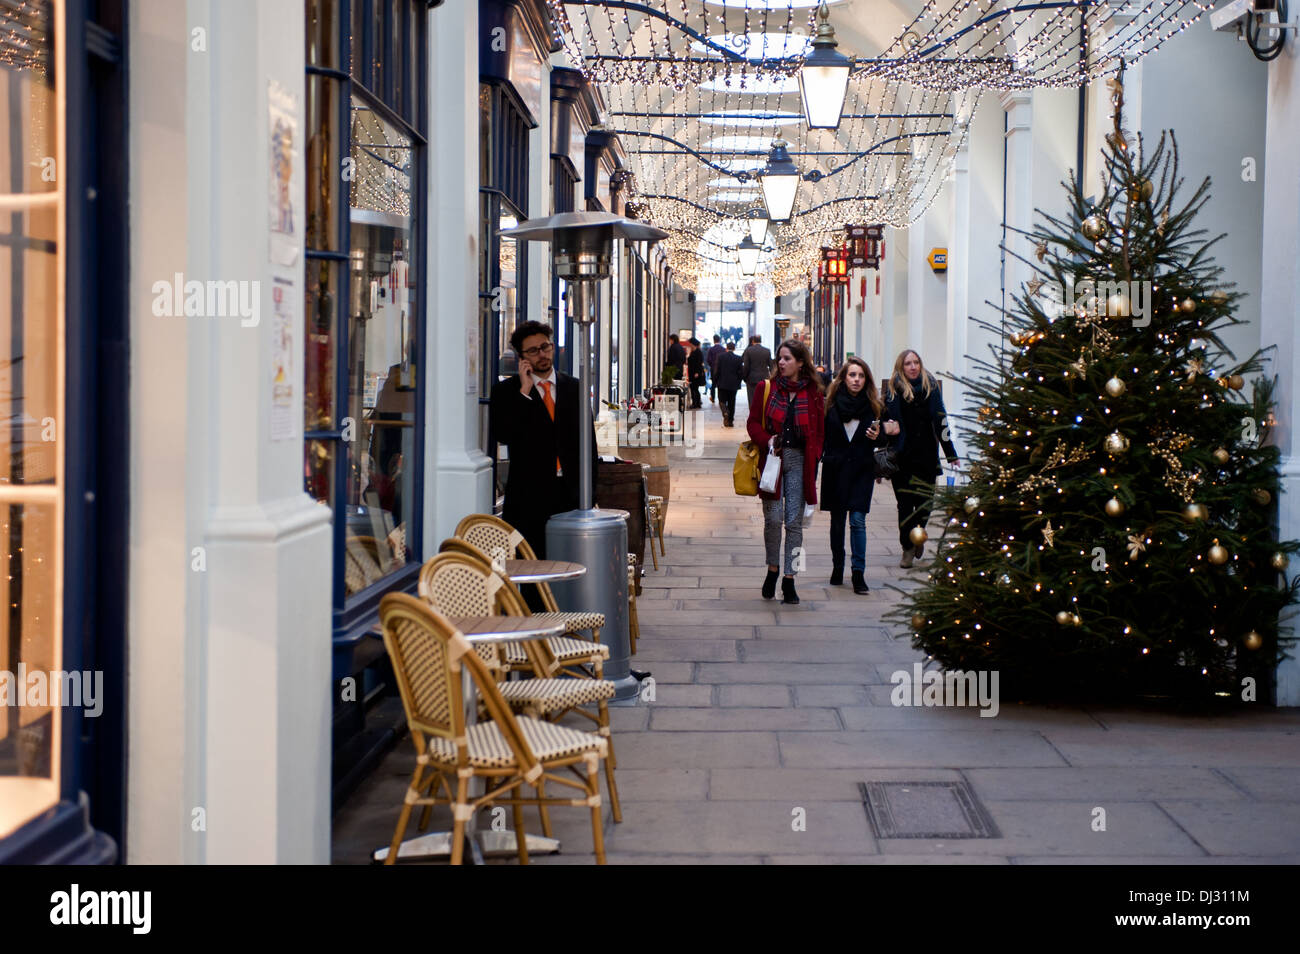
(695, 372)
(727, 378)
(854, 430)
(675, 358)
(787, 419)
(914, 399)
(711, 359)
(756, 366)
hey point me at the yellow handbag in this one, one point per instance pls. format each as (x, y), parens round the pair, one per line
(744, 472)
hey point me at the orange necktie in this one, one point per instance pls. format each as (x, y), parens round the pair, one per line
(550, 409)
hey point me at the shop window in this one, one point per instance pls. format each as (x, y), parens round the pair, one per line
(31, 394)
(364, 300)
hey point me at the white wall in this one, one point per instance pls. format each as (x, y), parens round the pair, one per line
(1209, 89)
(229, 628)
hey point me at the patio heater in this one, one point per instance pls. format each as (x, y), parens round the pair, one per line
(581, 250)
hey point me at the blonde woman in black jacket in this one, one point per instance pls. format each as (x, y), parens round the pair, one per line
(913, 398)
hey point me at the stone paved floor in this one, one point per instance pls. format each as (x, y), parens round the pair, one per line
(761, 710)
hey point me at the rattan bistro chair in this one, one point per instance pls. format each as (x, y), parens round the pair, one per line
(461, 584)
(494, 536)
(574, 653)
(508, 752)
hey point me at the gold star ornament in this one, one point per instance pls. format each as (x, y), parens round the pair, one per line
(1048, 534)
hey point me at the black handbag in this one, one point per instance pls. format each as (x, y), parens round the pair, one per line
(886, 462)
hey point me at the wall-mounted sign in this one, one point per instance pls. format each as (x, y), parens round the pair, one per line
(938, 259)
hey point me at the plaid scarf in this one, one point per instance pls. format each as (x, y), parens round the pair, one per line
(784, 395)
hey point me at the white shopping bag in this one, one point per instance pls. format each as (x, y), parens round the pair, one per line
(771, 473)
(808, 511)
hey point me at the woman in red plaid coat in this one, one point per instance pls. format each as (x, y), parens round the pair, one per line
(787, 418)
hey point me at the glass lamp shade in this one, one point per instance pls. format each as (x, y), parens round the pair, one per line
(780, 181)
(822, 87)
(747, 251)
(758, 230)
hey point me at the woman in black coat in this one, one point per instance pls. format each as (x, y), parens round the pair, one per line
(695, 372)
(913, 398)
(853, 431)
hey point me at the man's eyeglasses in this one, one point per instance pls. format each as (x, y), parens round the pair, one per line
(540, 349)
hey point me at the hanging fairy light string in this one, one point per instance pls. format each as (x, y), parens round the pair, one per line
(25, 36)
(681, 69)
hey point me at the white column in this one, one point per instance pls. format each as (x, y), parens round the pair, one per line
(959, 258)
(1018, 105)
(916, 268)
(1280, 305)
(236, 699)
(458, 475)
(1099, 108)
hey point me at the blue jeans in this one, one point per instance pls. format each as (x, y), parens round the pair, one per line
(857, 538)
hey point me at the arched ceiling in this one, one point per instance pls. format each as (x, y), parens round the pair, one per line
(698, 89)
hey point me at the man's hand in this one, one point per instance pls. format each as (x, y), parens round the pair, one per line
(526, 380)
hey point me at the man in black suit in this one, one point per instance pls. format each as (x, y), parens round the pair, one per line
(535, 414)
(726, 376)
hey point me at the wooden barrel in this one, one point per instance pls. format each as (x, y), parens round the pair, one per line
(657, 473)
(619, 486)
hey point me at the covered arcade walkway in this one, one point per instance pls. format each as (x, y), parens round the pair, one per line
(767, 721)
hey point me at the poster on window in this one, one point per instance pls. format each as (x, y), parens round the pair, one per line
(284, 306)
(282, 130)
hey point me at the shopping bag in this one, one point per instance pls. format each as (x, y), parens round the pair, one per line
(771, 474)
(809, 510)
(744, 473)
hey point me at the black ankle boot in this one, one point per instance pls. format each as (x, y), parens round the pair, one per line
(769, 584)
(788, 595)
(859, 584)
(837, 574)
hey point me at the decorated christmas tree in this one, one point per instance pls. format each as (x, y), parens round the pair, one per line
(1116, 536)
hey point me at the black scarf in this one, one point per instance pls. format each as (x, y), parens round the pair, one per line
(850, 407)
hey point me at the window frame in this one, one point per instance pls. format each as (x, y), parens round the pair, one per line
(355, 613)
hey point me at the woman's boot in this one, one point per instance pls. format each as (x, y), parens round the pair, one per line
(859, 584)
(769, 584)
(788, 595)
(837, 574)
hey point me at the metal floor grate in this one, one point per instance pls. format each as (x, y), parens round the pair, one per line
(925, 810)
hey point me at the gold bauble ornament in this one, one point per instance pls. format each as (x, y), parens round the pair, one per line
(1141, 191)
(1188, 306)
(1114, 507)
(1194, 511)
(918, 536)
(1219, 296)
(1115, 387)
(1063, 618)
(1280, 561)
(918, 620)
(1116, 443)
(1221, 455)
(1118, 306)
(1252, 640)
(1217, 554)
(1262, 496)
(1016, 338)
(972, 504)
(1076, 619)
(1093, 227)
(1236, 382)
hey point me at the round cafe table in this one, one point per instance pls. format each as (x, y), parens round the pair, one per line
(483, 629)
(543, 571)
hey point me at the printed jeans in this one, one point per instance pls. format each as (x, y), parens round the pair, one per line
(788, 510)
